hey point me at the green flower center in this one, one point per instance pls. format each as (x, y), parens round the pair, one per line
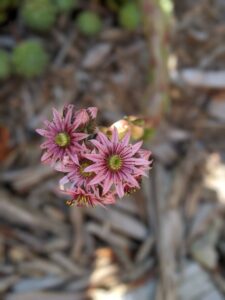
(83, 166)
(62, 139)
(115, 162)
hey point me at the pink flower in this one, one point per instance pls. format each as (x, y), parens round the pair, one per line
(82, 116)
(95, 171)
(116, 163)
(129, 188)
(144, 154)
(77, 175)
(88, 197)
(85, 115)
(82, 198)
(108, 199)
(61, 136)
(92, 112)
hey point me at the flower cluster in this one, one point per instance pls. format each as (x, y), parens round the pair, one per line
(97, 168)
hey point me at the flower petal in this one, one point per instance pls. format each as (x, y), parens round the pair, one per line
(98, 179)
(107, 184)
(126, 139)
(93, 168)
(57, 119)
(103, 139)
(119, 189)
(93, 157)
(136, 147)
(42, 132)
(99, 146)
(79, 136)
(92, 112)
(115, 136)
(68, 116)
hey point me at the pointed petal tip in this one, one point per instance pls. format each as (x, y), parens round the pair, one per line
(41, 131)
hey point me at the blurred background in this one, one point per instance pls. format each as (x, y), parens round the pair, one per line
(161, 63)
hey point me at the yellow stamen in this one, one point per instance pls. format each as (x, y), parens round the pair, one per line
(83, 200)
(62, 139)
(131, 191)
(115, 162)
(70, 202)
(83, 166)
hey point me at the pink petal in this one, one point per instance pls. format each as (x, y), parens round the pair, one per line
(72, 156)
(136, 147)
(132, 180)
(82, 116)
(68, 116)
(141, 161)
(99, 146)
(42, 132)
(119, 189)
(93, 168)
(107, 184)
(145, 153)
(47, 144)
(93, 157)
(141, 172)
(45, 156)
(61, 168)
(79, 136)
(47, 123)
(108, 199)
(74, 148)
(57, 119)
(126, 139)
(97, 179)
(103, 139)
(64, 180)
(93, 112)
(115, 137)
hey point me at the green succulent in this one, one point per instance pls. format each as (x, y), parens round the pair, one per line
(5, 4)
(5, 65)
(29, 59)
(65, 5)
(129, 16)
(3, 16)
(114, 5)
(39, 14)
(89, 23)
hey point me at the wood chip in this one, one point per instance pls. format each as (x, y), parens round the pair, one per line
(12, 209)
(203, 79)
(23, 180)
(194, 283)
(139, 271)
(38, 284)
(46, 296)
(96, 56)
(108, 236)
(76, 217)
(120, 221)
(183, 175)
(43, 266)
(145, 248)
(7, 282)
(67, 263)
(216, 110)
